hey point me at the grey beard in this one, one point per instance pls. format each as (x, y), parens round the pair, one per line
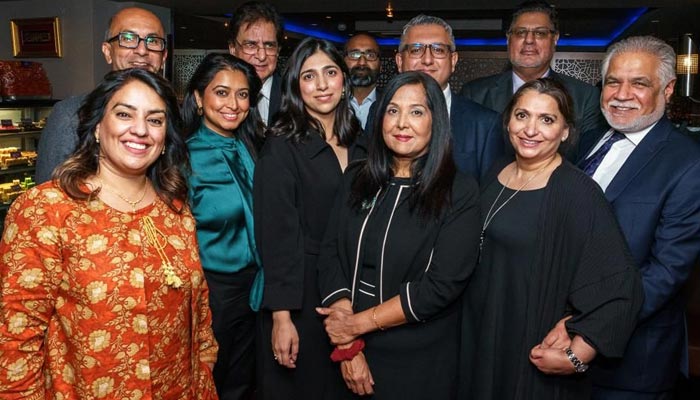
(363, 81)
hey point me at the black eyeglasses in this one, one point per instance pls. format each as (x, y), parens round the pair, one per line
(370, 55)
(130, 40)
(539, 33)
(438, 50)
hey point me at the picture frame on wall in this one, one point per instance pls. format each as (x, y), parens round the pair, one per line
(36, 37)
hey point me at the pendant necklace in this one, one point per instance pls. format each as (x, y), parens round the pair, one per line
(490, 215)
(132, 203)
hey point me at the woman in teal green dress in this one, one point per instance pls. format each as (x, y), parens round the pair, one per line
(224, 132)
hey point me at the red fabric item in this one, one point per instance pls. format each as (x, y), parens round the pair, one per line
(348, 354)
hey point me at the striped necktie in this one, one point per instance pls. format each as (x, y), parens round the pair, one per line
(591, 164)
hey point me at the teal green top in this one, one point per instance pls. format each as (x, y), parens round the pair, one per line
(221, 198)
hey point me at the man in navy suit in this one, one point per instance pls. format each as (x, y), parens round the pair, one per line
(257, 30)
(427, 45)
(532, 38)
(651, 176)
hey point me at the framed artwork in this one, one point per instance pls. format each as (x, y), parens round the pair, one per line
(36, 37)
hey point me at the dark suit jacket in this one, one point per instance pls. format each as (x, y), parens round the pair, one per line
(477, 135)
(495, 92)
(656, 198)
(59, 137)
(275, 98)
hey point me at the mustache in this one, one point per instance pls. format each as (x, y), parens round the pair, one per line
(360, 68)
(626, 104)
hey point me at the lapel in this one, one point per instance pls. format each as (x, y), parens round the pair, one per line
(503, 91)
(275, 98)
(647, 149)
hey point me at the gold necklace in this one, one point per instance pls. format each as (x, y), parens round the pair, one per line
(489, 216)
(158, 240)
(132, 203)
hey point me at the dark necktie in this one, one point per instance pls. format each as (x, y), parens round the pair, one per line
(590, 164)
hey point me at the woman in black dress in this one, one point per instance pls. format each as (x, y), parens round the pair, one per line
(296, 178)
(400, 245)
(550, 249)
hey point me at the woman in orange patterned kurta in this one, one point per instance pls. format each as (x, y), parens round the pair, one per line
(103, 296)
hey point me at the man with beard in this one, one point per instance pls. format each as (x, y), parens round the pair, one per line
(650, 173)
(135, 38)
(532, 39)
(362, 59)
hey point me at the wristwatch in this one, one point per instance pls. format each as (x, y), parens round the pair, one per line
(579, 366)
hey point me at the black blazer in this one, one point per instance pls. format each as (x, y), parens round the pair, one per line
(495, 92)
(294, 188)
(275, 98)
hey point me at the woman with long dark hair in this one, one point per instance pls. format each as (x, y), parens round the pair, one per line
(299, 170)
(400, 245)
(103, 294)
(224, 134)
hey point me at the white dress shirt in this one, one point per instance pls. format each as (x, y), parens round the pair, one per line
(517, 81)
(362, 110)
(264, 100)
(616, 157)
(448, 98)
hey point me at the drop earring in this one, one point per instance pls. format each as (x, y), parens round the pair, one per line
(97, 139)
(200, 111)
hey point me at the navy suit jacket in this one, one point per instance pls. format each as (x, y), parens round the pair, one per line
(656, 198)
(477, 135)
(495, 92)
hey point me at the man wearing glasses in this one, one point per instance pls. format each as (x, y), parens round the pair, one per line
(362, 59)
(135, 39)
(532, 38)
(427, 45)
(256, 33)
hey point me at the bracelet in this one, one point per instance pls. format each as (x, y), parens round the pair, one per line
(579, 366)
(374, 318)
(348, 354)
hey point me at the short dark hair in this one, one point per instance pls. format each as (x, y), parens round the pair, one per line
(432, 173)
(252, 12)
(359, 33)
(535, 6)
(292, 118)
(166, 173)
(556, 91)
(251, 129)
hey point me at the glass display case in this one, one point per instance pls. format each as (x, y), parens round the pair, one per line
(20, 129)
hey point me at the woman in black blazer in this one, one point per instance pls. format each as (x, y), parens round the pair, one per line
(400, 246)
(298, 172)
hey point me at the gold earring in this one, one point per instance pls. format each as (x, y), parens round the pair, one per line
(200, 111)
(342, 95)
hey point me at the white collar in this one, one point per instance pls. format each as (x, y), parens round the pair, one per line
(267, 87)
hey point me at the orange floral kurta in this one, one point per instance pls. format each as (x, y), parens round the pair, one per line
(85, 312)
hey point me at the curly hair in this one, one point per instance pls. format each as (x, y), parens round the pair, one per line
(166, 173)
